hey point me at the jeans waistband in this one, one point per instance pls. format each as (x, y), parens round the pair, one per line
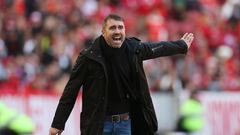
(118, 117)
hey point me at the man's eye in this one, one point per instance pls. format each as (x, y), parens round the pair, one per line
(112, 27)
(120, 27)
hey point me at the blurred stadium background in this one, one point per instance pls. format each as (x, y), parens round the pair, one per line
(40, 40)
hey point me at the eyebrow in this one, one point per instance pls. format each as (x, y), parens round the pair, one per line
(113, 26)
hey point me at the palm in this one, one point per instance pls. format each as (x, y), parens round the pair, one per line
(188, 38)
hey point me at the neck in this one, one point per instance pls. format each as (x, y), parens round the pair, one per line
(109, 51)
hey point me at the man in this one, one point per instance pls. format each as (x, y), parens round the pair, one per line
(116, 99)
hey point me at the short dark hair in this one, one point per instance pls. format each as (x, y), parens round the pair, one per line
(112, 16)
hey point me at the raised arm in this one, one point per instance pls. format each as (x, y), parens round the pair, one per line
(149, 50)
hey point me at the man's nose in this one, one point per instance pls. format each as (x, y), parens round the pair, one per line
(117, 30)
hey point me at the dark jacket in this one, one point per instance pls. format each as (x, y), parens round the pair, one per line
(90, 72)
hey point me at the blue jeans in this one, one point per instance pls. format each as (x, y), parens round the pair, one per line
(117, 128)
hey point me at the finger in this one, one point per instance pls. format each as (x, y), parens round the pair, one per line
(185, 35)
(189, 37)
(191, 40)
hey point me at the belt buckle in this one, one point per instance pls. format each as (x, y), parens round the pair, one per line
(116, 118)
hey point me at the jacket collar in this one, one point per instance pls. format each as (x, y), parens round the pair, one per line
(94, 51)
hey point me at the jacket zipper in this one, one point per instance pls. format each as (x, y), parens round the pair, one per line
(157, 47)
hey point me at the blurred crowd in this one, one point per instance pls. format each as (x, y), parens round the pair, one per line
(41, 39)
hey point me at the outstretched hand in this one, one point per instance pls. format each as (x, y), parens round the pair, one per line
(188, 38)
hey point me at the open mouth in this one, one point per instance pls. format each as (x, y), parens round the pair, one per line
(117, 38)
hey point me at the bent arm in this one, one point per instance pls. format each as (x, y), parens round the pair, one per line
(70, 94)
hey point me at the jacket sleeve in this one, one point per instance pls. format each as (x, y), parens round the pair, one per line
(70, 93)
(154, 50)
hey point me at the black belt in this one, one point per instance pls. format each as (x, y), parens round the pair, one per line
(118, 118)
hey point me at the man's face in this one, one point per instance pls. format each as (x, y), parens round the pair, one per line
(114, 33)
